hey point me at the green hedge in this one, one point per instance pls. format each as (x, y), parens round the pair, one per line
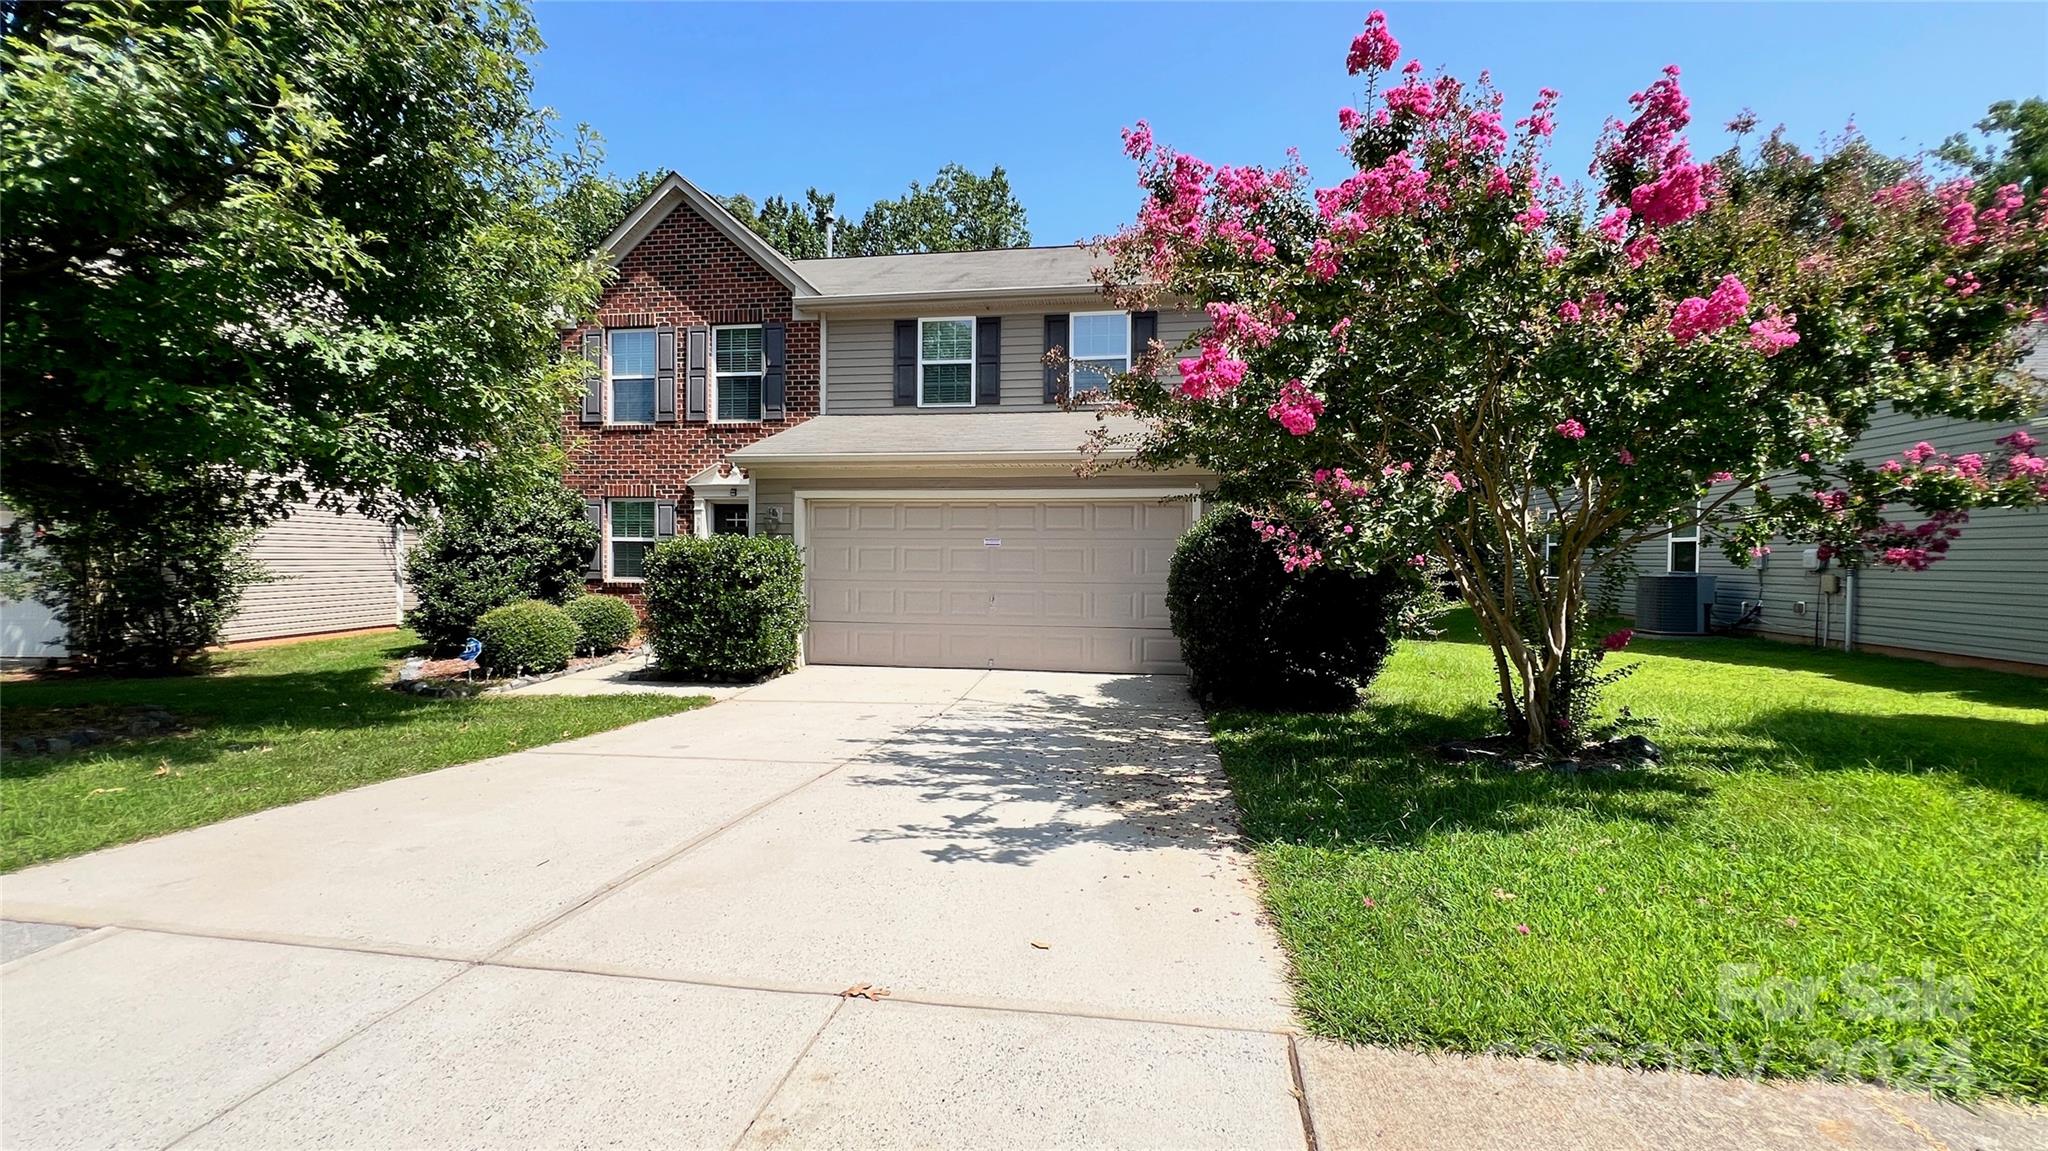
(725, 608)
(531, 637)
(603, 622)
(1254, 635)
(514, 545)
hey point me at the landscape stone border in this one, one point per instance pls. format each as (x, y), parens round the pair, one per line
(137, 724)
(450, 688)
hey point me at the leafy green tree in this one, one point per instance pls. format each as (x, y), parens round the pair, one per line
(1455, 358)
(798, 231)
(958, 211)
(592, 206)
(305, 244)
(2014, 151)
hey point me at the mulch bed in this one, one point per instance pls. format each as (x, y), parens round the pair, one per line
(1618, 754)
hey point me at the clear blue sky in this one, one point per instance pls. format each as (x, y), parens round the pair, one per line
(860, 99)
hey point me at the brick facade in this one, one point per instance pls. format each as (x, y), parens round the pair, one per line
(687, 273)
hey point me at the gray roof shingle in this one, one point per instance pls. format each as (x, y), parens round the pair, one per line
(940, 273)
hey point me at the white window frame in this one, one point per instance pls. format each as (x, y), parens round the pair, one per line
(973, 349)
(1673, 539)
(610, 380)
(610, 538)
(711, 399)
(1073, 385)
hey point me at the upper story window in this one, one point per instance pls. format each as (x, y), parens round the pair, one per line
(1098, 347)
(632, 537)
(945, 363)
(737, 365)
(632, 375)
(1682, 549)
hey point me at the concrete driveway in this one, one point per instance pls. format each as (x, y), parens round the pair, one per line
(642, 938)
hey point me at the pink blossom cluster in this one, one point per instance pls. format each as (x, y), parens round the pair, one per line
(1235, 323)
(1640, 249)
(1773, 333)
(1349, 119)
(1613, 227)
(1296, 409)
(1296, 554)
(1374, 49)
(1616, 640)
(1899, 195)
(1396, 186)
(1532, 217)
(1572, 430)
(1919, 547)
(1339, 481)
(1696, 317)
(1414, 97)
(1662, 112)
(1138, 140)
(1451, 481)
(1250, 242)
(1214, 373)
(1542, 118)
(1958, 214)
(2004, 202)
(1341, 332)
(1677, 194)
(1322, 260)
(1966, 285)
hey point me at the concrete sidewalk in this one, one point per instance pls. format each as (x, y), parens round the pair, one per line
(645, 937)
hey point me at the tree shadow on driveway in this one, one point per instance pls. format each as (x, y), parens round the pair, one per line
(1126, 765)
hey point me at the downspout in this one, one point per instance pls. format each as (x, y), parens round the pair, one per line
(1849, 610)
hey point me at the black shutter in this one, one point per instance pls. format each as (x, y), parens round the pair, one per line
(1144, 330)
(664, 519)
(1056, 373)
(906, 363)
(988, 360)
(697, 359)
(593, 510)
(774, 380)
(593, 384)
(665, 374)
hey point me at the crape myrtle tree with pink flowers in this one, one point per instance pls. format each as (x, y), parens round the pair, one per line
(1454, 357)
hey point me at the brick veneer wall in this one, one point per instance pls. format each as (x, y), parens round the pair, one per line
(685, 273)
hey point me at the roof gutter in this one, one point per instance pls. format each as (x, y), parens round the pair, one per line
(747, 455)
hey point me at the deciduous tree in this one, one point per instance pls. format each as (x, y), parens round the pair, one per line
(1454, 355)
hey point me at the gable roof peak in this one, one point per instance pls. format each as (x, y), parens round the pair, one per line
(674, 190)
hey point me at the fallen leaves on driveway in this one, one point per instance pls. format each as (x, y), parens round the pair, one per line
(866, 991)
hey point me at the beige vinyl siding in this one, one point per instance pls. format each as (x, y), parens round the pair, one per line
(1988, 599)
(328, 571)
(862, 354)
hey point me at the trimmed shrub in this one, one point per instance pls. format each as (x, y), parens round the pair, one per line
(517, 545)
(725, 608)
(603, 622)
(1254, 635)
(525, 637)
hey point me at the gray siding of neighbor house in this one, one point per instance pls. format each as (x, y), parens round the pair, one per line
(1987, 600)
(861, 352)
(329, 572)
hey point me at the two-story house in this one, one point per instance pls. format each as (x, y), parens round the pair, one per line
(897, 417)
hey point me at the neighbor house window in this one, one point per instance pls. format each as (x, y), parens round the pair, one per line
(632, 376)
(1099, 347)
(632, 537)
(1683, 550)
(736, 365)
(945, 363)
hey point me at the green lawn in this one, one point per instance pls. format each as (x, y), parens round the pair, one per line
(1827, 821)
(272, 725)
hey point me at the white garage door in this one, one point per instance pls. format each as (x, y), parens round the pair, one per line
(1066, 585)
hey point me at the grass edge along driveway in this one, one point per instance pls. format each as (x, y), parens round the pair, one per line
(272, 725)
(1841, 870)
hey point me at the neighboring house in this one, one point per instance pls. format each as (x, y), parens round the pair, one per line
(895, 416)
(1986, 604)
(329, 571)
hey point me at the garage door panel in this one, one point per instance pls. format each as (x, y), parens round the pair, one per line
(1054, 585)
